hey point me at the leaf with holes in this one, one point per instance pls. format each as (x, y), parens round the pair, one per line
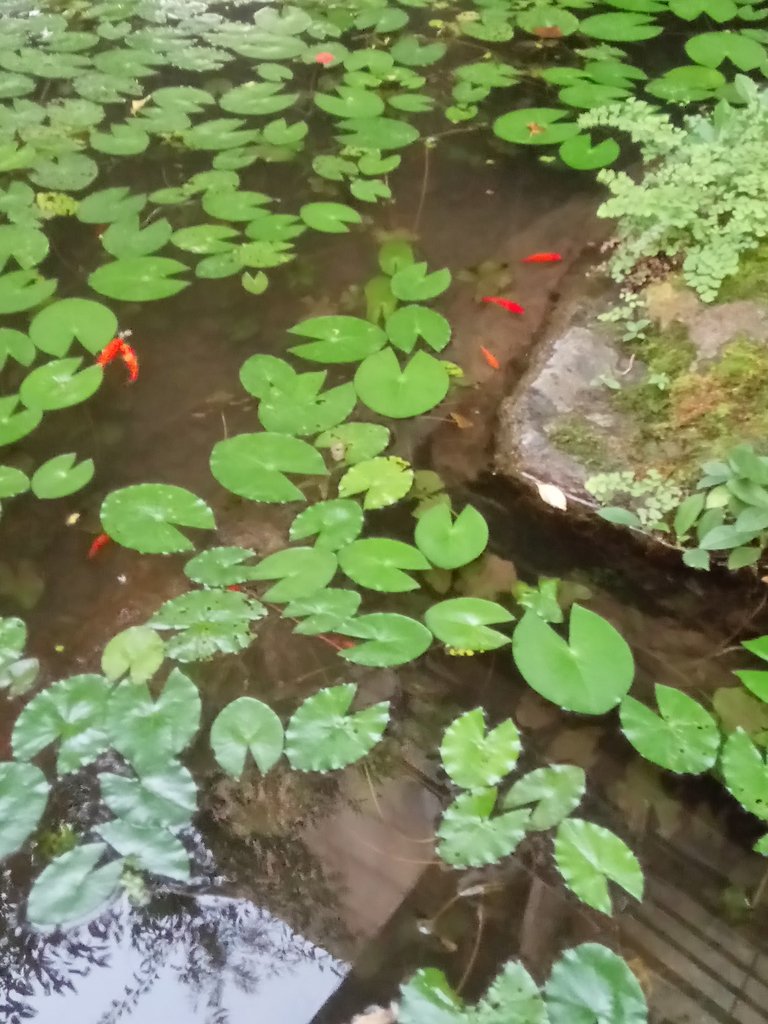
(221, 567)
(592, 984)
(745, 773)
(23, 799)
(589, 674)
(588, 856)
(146, 517)
(137, 651)
(331, 218)
(475, 757)
(72, 889)
(682, 738)
(55, 328)
(301, 572)
(73, 713)
(139, 279)
(556, 790)
(23, 289)
(469, 835)
(339, 339)
(377, 563)
(164, 797)
(335, 523)
(150, 848)
(209, 622)
(390, 639)
(384, 480)
(254, 466)
(401, 392)
(351, 443)
(463, 623)
(246, 725)
(409, 323)
(323, 736)
(450, 543)
(62, 476)
(324, 611)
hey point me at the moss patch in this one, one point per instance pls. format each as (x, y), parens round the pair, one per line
(670, 351)
(751, 280)
(577, 437)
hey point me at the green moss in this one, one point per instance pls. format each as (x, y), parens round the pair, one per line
(668, 351)
(576, 436)
(751, 281)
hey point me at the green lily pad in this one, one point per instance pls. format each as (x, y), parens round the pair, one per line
(23, 799)
(56, 326)
(61, 476)
(246, 725)
(463, 623)
(139, 278)
(145, 517)
(398, 391)
(588, 856)
(682, 738)
(60, 384)
(388, 639)
(471, 837)
(556, 790)
(323, 736)
(72, 889)
(475, 757)
(535, 126)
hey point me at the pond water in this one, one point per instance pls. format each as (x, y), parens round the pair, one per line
(313, 895)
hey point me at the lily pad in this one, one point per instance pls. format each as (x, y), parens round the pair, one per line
(471, 836)
(398, 391)
(254, 466)
(72, 889)
(246, 725)
(146, 517)
(476, 757)
(323, 735)
(588, 856)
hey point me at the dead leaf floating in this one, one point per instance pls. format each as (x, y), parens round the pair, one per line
(553, 496)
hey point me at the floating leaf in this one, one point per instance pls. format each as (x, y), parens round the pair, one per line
(589, 674)
(322, 736)
(220, 134)
(111, 204)
(581, 153)
(15, 425)
(23, 289)
(324, 611)
(126, 238)
(205, 239)
(588, 855)
(234, 204)
(391, 639)
(60, 384)
(682, 738)
(474, 757)
(409, 323)
(16, 346)
(335, 523)
(712, 48)
(139, 278)
(71, 712)
(261, 373)
(340, 339)
(351, 443)
(221, 567)
(745, 773)
(470, 837)
(401, 392)
(254, 466)
(26, 245)
(429, 999)
(384, 480)
(145, 517)
(535, 126)
(463, 623)
(377, 563)
(69, 172)
(165, 797)
(450, 543)
(548, 22)
(246, 725)
(12, 482)
(332, 218)
(23, 798)
(137, 651)
(620, 27)
(257, 99)
(349, 102)
(302, 410)
(300, 571)
(209, 622)
(150, 848)
(556, 790)
(147, 731)
(120, 140)
(62, 476)
(56, 326)
(71, 888)
(592, 984)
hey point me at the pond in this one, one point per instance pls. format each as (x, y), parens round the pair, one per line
(308, 695)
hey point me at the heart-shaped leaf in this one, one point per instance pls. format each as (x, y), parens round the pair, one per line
(745, 773)
(682, 738)
(165, 797)
(71, 888)
(254, 466)
(221, 567)
(25, 244)
(463, 623)
(354, 442)
(300, 572)
(390, 639)
(324, 611)
(450, 543)
(409, 323)
(139, 279)
(138, 651)
(209, 622)
(12, 482)
(23, 289)
(303, 411)
(153, 849)
(556, 790)
(588, 856)
(335, 523)
(147, 731)
(331, 218)
(257, 98)
(55, 328)
(126, 238)
(146, 517)
(340, 339)
(470, 837)
(109, 205)
(23, 798)
(535, 126)
(414, 283)
(246, 725)
(15, 425)
(592, 984)
(377, 563)
(62, 476)
(384, 481)
(233, 204)
(323, 736)
(475, 757)
(400, 392)
(60, 384)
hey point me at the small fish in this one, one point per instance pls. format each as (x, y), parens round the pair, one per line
(543, 257)
(511, 307)
(324, 58)
(128, 355)
(490, 358)
(235, 587)
(110, 351)
(97, 545)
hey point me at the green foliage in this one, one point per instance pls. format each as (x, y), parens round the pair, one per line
(475, 758)
(255, 466)
(378, 563)
(383, 480)
(389, 639)
(322, 735)
(556, 790)
(398, 391)
(471, 835)
(300, 572)
(246, 726)
(463, 623)
(23, 798)
(73, 888)
(450, 543)
(682, 738)
(207, 622)
(138, 651)
(591, 983)
(146, 517)
(588, 856)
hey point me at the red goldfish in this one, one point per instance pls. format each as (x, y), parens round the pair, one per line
(128, 355)
(511, 307)
(324, 58)
(110, 351)
(490, 358)
(543, 257)
(97, 545)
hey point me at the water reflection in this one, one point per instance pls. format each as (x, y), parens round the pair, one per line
(205, 959)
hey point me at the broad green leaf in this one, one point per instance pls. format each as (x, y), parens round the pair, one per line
(60, 384)
(209, 622)
(324, 611)
(145, 517)
(332, 218)
(589, 674)
(13, 639)
(146, 731)
(389, 639)
(220, 134)
(556, 790)
(23, 289)
(120, 140)
(350, 102)
(745, 773)
(682, 738)
(429, 999)
(450, 543)
(261, 373)
(377, 133)
(183, 97)
(378, 563)
(687, 513)
(61, 476)
(254, 466)
(588, 856)
(56, 326)
(712, 48)
(234, 204)
(351, 443)
(17, 346)
(109, 205)
(581, 153)
(125, 238)
(409, 323)
(339, 339)
(590, 984)
(548, 21)
(257, 99)
(71, 712)
(394, 255)
(475, 757)
(139, 278)
(165, 797)
(688, 84)
(513, 998)
(335, 523)
(137, 651)
(384, 481)
(205, 239)
(471, 837)
(409, 50)
(301, 410)
(301, 572)
(221, 567)
(23, 798)
(152, 849)
(620, 27)
(535, 126)
(323, 735)
(26, 245)
(12, 482)
(70, 172)
(246, 725)
(414, 283)
(462, 623)
(718, 10)
(72, 889)
(15, 424)
(401, 392)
